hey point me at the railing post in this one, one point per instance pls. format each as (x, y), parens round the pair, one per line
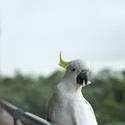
(15, 121)
(16, 115)
(1, 109)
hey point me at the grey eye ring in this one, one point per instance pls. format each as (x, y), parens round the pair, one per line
(73, 69)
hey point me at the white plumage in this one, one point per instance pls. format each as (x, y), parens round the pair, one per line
(67, 106)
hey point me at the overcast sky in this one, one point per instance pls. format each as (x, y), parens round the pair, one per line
(33, 32)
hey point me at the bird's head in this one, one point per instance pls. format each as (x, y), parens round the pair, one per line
(77, 70)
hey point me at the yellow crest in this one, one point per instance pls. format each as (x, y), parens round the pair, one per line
(62, 62)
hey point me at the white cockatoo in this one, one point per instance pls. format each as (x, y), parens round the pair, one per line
(67, 105)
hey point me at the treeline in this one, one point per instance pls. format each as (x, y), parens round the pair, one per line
(106, 94)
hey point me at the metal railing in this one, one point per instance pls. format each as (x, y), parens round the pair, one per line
(26, 118)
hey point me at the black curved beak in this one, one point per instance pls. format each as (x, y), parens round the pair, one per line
(82, 76)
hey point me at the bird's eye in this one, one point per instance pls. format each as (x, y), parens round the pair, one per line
(73, 69)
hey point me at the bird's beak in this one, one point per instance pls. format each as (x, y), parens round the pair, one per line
(83, 78)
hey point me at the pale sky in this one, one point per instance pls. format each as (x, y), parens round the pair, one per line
(33, 32)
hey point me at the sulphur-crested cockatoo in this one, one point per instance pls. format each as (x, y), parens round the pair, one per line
(67, 105)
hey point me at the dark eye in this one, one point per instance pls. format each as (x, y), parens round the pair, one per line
(73, 69)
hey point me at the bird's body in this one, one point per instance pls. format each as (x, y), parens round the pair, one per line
(67, 105)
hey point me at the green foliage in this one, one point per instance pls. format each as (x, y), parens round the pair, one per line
(106, 94)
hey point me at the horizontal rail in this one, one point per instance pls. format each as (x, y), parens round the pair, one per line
(30, 119)
(25, 117)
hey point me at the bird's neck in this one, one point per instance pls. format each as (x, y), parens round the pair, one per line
(68, 85)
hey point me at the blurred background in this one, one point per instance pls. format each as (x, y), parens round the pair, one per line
(33, 32)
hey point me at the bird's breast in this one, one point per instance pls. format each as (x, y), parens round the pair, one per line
(71, 109)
